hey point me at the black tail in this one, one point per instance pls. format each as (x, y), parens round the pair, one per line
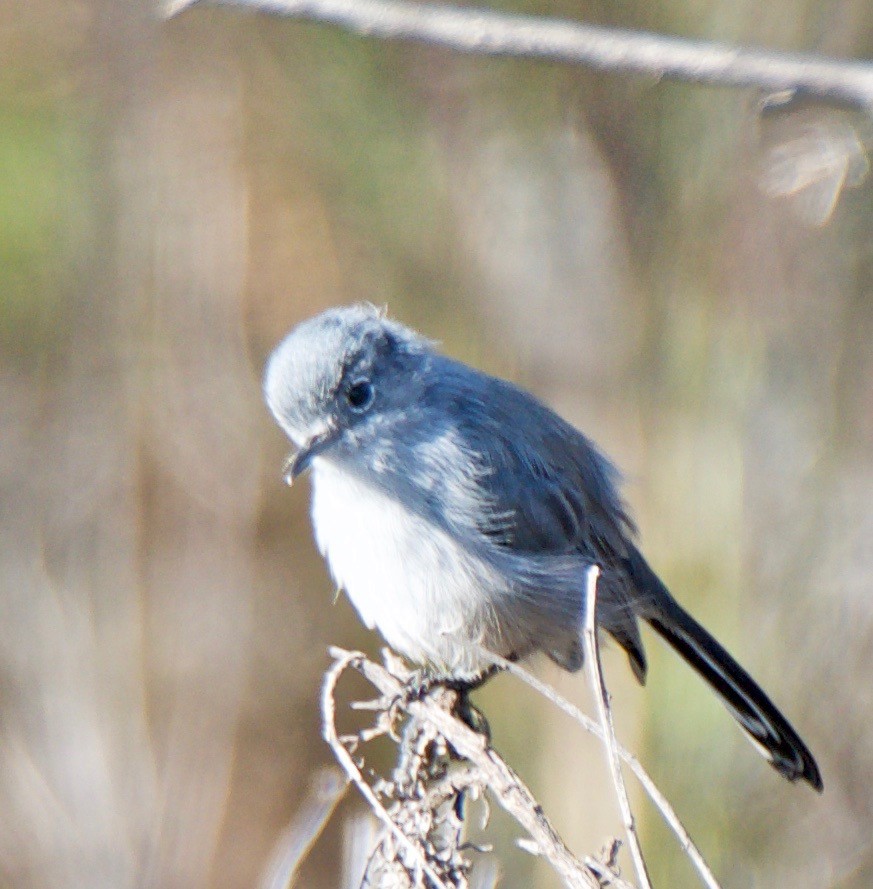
(767, 728)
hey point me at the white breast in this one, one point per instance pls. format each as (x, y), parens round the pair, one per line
(405, 576)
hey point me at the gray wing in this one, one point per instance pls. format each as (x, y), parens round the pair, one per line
(549, 488)
(542, 489)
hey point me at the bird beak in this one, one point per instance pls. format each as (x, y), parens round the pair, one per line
(298, 462)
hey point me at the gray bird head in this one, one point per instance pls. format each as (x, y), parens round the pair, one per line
(338, 378)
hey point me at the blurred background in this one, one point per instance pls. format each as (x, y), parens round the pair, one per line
(687, 279)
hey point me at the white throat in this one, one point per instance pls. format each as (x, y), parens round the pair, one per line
(406, 577)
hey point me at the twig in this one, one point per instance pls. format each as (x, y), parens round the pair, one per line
(390, 683)
(601, 696)
(326, 790)
(509, 790)
(328, 713)
(485, 32)
(668, 813)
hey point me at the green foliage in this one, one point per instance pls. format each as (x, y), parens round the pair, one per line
(39, 162)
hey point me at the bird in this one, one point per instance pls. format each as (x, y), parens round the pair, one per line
(460, 514)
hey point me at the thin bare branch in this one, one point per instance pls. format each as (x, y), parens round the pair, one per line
(668, 813)
(507, 788)
(486, 32)
(328, 713)
(326, 790)
(601, 697)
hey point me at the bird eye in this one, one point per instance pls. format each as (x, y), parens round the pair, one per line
(360, 395)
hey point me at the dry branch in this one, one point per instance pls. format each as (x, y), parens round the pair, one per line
(326, 790)
(668, 813)
(432, 723)
(344, 660)
(594, 669)
(421, 786)
(486, 32)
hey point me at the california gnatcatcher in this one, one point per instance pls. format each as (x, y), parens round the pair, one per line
(460, 515)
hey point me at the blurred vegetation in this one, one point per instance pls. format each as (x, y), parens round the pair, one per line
(174, 196)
